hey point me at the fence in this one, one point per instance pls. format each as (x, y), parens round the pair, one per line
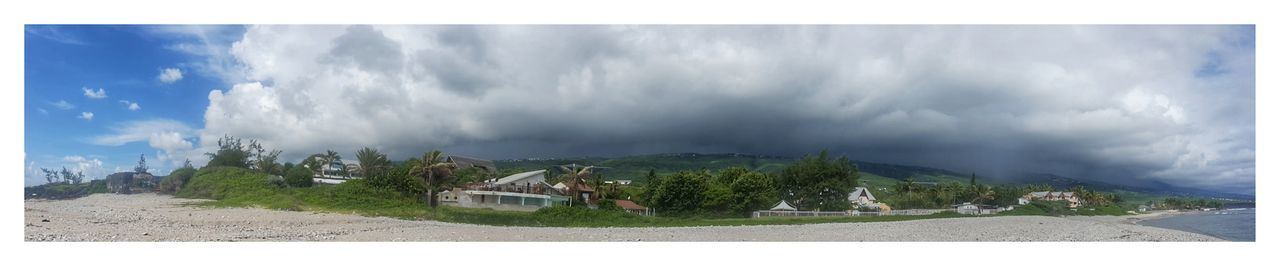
(758, 214)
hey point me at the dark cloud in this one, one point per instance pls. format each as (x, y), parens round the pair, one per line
(1128, 104)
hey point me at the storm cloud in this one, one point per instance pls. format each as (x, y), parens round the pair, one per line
(1127, 104)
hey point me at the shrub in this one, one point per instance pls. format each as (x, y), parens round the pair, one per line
(608, 205)
(298, 177)
(226, 182)
(176, 180)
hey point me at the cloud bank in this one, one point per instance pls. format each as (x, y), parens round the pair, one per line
(1124, 104)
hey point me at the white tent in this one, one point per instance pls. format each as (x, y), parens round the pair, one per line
(782, 206)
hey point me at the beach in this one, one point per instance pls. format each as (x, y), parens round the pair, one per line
(152, 217)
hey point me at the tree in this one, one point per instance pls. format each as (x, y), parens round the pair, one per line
(372, 162)
(298, 177)
(264, 161)
(681, 193)
(49, 175)
(572, 176)
(231, 152)
(434, 171)
(751, 191)
(142, 164)
(314, 163)
(329, 158)
(982, 194)
(906, 187)
(818, 182)
(973, 179)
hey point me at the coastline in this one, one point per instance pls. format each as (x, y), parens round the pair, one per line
(151, 217)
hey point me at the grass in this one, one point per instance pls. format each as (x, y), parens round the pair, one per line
(1055, 208)
(236, 187)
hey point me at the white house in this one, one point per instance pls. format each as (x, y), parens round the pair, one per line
(619, 182)
(1069, 197)
(861, 196)
(976, 209)
(526, 191)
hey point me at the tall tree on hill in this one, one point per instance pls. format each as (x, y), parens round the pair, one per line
(434, 172)
(49, 175)
(973, 179)
(264, 161)
(818, 182)
(231, 152)
(142, 164)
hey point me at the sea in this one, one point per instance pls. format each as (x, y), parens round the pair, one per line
(1230, 224)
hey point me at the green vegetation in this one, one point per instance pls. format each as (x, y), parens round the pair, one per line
(176, 180)
(1186, 204)
(1059, 208)
(65, 190)
(235, 187)
(818, 182)
(298, 177)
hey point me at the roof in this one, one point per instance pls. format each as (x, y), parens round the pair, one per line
(860, 191)
(629, 205)
(782, 206)
(463, 161)
(581, 187)
(531, 176)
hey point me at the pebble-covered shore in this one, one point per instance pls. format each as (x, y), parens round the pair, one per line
(151, 217)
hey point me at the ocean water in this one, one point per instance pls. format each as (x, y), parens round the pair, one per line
(1229, 224)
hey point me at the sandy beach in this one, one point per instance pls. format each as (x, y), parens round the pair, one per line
(151, 217)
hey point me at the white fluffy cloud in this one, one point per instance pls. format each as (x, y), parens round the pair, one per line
(170, 138)
(170, 75)
(63, 104)
(1167, 103)
(133, 106)
(139, 130)
(87, 116)
(92, 94)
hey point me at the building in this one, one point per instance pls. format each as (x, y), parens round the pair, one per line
(861, 196)
(464, 162)
(622, 182)
(976, 209)
(632, 207)
(1069, 197)
(526, 191)
(585, 193)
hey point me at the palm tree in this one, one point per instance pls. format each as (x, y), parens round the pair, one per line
(330, 157)
(573, 176)
(982, 193)
(371, 162)
(315, 163)
(907, 186)
(434, 171)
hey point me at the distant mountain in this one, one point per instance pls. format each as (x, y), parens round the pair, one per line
(636, 167)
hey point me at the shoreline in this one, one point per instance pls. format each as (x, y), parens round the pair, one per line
(152, 217)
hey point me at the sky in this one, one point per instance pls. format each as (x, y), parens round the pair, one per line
(1121, 104)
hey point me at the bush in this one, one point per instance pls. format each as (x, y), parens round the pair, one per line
(176, 179)
(572, 216)
(608, 205)
(225, 182)
(298, 177)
